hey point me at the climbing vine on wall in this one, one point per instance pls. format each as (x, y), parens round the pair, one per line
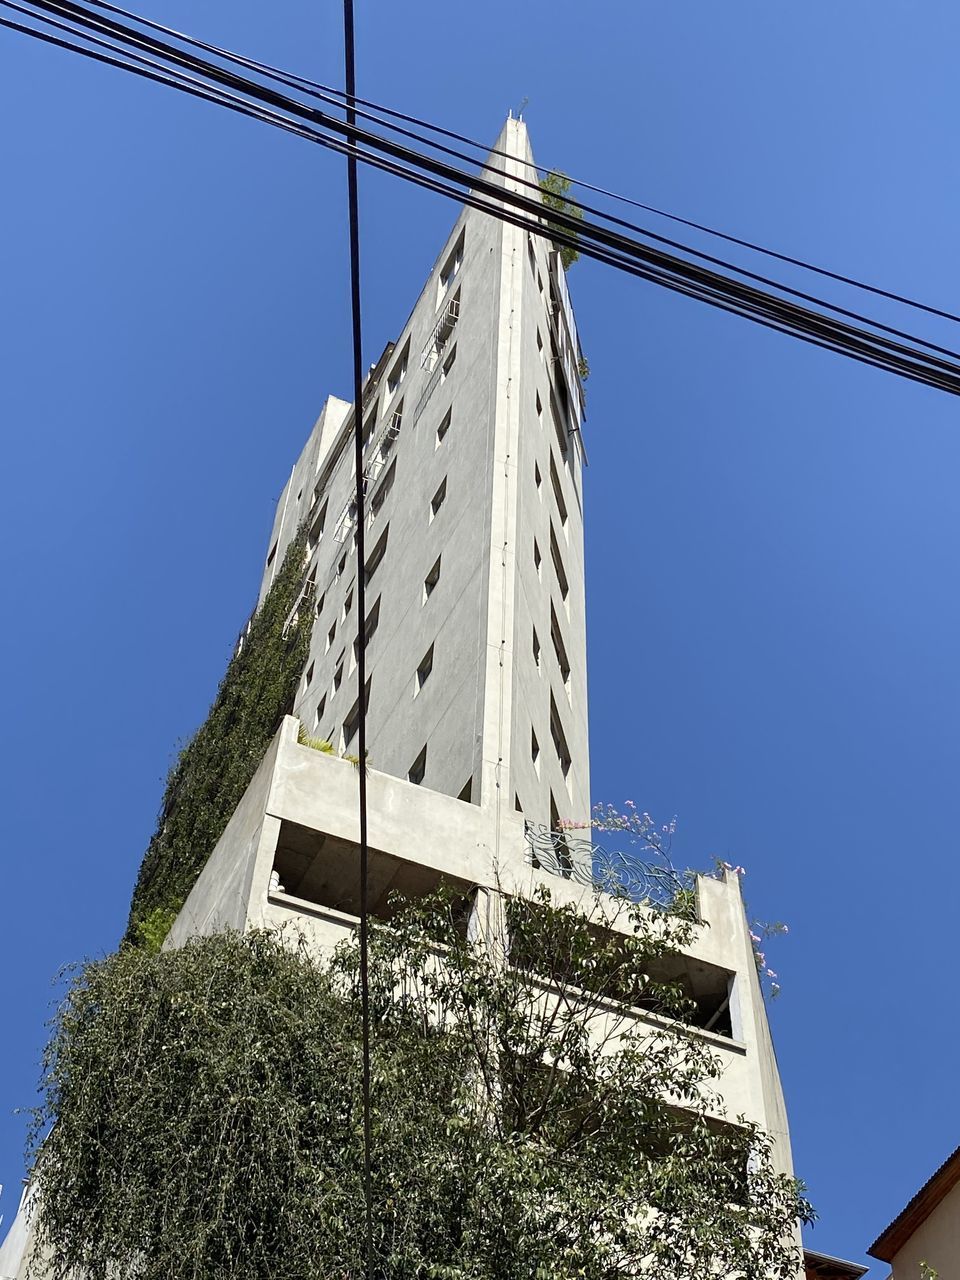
(213, 770)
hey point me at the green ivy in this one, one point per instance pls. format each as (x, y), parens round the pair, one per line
(214, 769)
(554, 188)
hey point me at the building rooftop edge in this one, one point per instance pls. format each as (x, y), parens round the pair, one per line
(917, 1210)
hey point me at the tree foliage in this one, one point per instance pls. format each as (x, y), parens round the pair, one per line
(206, 1110)
(214, 769)
(554, 188)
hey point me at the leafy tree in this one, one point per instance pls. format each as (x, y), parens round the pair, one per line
(206, 1110)
(554, 188)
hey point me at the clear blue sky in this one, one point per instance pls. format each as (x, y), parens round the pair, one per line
(774, 622)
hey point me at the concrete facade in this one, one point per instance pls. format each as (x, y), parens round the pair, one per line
(474, 510)
(474, 504)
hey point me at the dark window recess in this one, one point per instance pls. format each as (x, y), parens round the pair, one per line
(438, 498)
(272, 556)
(466, 791)
(352, 722)
(558, 565)
(418, 769)
(383, 489)
(557, 491)
(424, 669)
(558, 647)
(376, 556)
(431, 580)
(372, 622)
(444, 426)
(316, 529)
(559, 739)
(325, 871)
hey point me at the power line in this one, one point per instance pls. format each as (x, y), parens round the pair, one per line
(599, 243)
(376, 111)
(353, 206)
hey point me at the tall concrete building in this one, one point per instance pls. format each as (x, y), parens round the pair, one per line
(476, 652)
(476, 646)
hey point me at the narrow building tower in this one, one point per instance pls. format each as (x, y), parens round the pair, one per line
(476, 645)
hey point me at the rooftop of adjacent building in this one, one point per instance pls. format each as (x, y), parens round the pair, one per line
(917, 1210)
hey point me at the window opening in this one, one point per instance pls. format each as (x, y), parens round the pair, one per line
(451, 266)
(423, 671)
(376, 556)
(398, 372)
(559, 739)
(431, 580)
(418, 769)
(557, 491)
(558, 565)
(373, 621)
(444, 426)
(383, 489)
(352, 723)
(558, 647)
(438, 498)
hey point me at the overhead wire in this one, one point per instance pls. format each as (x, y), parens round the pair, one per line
(353, 217)
(599, 243)
(382, 114)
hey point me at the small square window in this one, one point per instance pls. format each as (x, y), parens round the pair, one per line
(539, 345)
(316, 530)
(308, 677)
(431, 580)
(438, 498)
(272, 556)
(423, 671)
(398, 372)
(348, 604)
(331, 636)
(466, 791)
(321, 599)
(537, 558)
(352, 723)
(558, 492)
(448, 364)
(418, 769)
(444, 426)
(539, 407)
(338, 678)
(321, 707)
(451, 267)
(535, 751)
(376, 556)
(558, 565)
(341, 566)
(538, 479)
(372, 622)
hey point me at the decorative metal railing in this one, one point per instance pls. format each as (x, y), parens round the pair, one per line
(379, 449)
(619, 874)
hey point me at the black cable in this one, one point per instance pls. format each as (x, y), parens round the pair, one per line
(353, 204)
(330, 94)
(707, 286)
(82, 15)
